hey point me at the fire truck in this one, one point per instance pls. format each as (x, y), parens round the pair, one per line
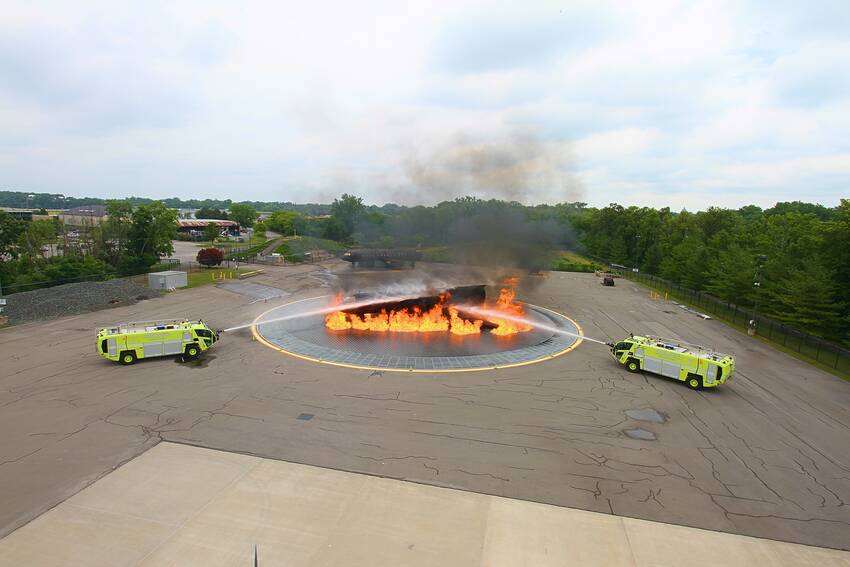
(128, 342)
(700, 367)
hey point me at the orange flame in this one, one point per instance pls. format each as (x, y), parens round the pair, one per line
(442, 317)
(506, 304)
(337, 321)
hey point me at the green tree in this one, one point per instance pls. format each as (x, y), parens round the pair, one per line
(809, 300)
(244, 214)
(152, 229)
(333, 230)
(116, 229)
(211, 232)
(35, 237)
(730, 275)
(210, 213)
(836, 257)
(287, 223)
(347, 212)
(821, 212)
(10, 231)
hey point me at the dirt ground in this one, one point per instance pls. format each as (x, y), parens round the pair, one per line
(766, 455)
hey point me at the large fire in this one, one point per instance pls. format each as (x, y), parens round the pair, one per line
(442, 317)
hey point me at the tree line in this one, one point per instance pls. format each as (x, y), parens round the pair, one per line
(55, 201)
(129, 241)
(791, 260)
(798, 253)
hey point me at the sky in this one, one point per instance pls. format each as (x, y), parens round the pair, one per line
(651, 103)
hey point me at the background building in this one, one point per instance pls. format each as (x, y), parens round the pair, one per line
(195, 227)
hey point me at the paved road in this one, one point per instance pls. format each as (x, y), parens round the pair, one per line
(185, 251)
(766, 455)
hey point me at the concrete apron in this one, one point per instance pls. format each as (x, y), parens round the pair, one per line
(183, 505)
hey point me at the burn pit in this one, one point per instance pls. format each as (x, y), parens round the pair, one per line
(449, 330)
(446, 312)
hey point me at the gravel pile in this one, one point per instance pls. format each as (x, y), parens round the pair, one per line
(72, 299)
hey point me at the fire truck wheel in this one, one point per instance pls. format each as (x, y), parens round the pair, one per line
(694, 383)
(192, 351)
(128, 357)
(633, 365)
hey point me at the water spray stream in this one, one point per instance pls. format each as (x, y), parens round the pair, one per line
(481, 312)
(485, 313)
(324, 311)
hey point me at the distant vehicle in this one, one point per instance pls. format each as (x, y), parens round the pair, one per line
(382, 257)
(608, 280)
(128, 342)
(700, 367)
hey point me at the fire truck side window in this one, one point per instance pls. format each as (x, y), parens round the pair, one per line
(203, 333)
(623, 346)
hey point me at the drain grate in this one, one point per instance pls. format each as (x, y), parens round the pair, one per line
(253, 290)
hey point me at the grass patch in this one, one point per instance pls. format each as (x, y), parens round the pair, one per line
(294, 248)
(442, 254)
(212, 275)
(247, 252)
(568, 261)
(226, 244)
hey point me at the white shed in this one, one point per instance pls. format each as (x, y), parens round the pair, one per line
(167, 280)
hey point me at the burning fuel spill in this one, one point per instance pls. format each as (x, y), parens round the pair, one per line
(457, 328)
(435, 314)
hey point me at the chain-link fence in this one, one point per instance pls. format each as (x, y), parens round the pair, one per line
(808, 345)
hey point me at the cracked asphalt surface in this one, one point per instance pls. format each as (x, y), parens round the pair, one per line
(767, 455)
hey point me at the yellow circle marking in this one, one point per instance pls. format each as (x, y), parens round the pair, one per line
(259, 337)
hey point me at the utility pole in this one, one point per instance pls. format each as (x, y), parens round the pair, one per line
(2, 305)
(753, 323)
(637, 242)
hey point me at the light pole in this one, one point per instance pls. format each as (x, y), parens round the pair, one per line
(635, 264)
(751, 326)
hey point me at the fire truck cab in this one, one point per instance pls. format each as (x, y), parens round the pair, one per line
(128, 342)
(700, 367)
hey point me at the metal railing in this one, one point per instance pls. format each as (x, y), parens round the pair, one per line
(810, 346)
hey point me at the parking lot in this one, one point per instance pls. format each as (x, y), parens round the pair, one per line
(765, 455)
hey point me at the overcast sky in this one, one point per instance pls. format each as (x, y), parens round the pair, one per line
(680, 104)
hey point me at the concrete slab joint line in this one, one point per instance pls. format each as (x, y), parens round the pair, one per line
(183, 505)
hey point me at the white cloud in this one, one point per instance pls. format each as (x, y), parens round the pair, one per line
(663, 103)
(615, 144)
(785, 172)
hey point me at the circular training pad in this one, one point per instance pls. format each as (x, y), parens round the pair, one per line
(306, 336)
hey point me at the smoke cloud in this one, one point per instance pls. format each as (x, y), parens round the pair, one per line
(491, 240)
(485, 247)
(505, 239)
(513, 166)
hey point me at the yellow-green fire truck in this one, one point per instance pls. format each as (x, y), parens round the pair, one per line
(128, 342)
(700, 367)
